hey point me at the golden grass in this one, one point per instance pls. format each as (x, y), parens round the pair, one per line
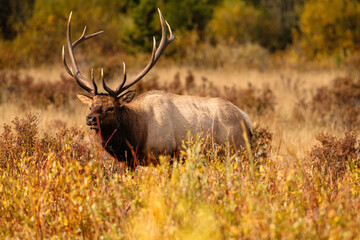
(47, 116)
(288, 86)
(54, 194)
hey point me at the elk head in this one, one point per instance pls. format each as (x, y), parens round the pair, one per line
(105, 107)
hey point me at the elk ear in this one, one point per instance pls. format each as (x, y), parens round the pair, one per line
(85, 99)
(127, 97)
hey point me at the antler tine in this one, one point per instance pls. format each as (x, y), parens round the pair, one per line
(75, 73)
(164, 40)
(118, 89)
(93, 82)
(64, 61)
(109, 90)
(156, 51)
(83, 37)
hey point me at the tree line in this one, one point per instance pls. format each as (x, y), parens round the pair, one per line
(30, 30)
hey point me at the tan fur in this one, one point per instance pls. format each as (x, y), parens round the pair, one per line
(170, 116)
(157, 122)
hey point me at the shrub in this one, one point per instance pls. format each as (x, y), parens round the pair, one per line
(22, 141)
(334, 155)
(251, 99)
(337, 104)
(25, 90)
(261, 143)
(18, 141)
(340, 102)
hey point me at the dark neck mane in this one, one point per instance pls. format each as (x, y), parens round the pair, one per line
(125, 137)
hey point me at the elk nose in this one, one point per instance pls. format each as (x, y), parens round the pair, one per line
(90, 120)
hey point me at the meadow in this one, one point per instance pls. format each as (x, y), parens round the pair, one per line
(292, 65)
(300, 180)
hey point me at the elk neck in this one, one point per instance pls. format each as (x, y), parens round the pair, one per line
(129, 129)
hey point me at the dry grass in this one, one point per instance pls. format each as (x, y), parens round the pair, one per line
(55, 181)
(289, 86)
(60, 185)
(74, 117)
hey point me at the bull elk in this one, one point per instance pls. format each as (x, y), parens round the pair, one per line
(136, 130)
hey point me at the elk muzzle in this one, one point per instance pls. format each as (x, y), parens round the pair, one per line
(91, 120)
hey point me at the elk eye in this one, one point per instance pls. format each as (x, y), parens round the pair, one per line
(110, 109)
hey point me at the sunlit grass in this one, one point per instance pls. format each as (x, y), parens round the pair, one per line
(68, 188)
(57, 182)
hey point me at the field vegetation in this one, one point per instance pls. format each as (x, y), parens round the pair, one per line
(293, 71)
(300, 179)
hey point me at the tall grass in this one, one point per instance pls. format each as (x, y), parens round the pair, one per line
(57, 182)
(61, 185)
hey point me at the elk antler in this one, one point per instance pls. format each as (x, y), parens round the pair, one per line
(155, 55)
(75, 73)
(118, 89)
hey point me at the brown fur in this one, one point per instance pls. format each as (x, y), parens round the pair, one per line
(137, 131)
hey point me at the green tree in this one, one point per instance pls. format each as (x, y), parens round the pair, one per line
(190, 14)
(13, 16)
(43, 34)
(144, 15)
(279, 19)
(183, 16)
(266, 22)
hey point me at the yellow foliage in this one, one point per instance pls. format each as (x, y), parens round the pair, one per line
(330, 27)
(233, 22)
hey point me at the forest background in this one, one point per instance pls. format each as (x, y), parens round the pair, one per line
(210, 33)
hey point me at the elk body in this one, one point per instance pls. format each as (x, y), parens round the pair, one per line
(136, 130)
